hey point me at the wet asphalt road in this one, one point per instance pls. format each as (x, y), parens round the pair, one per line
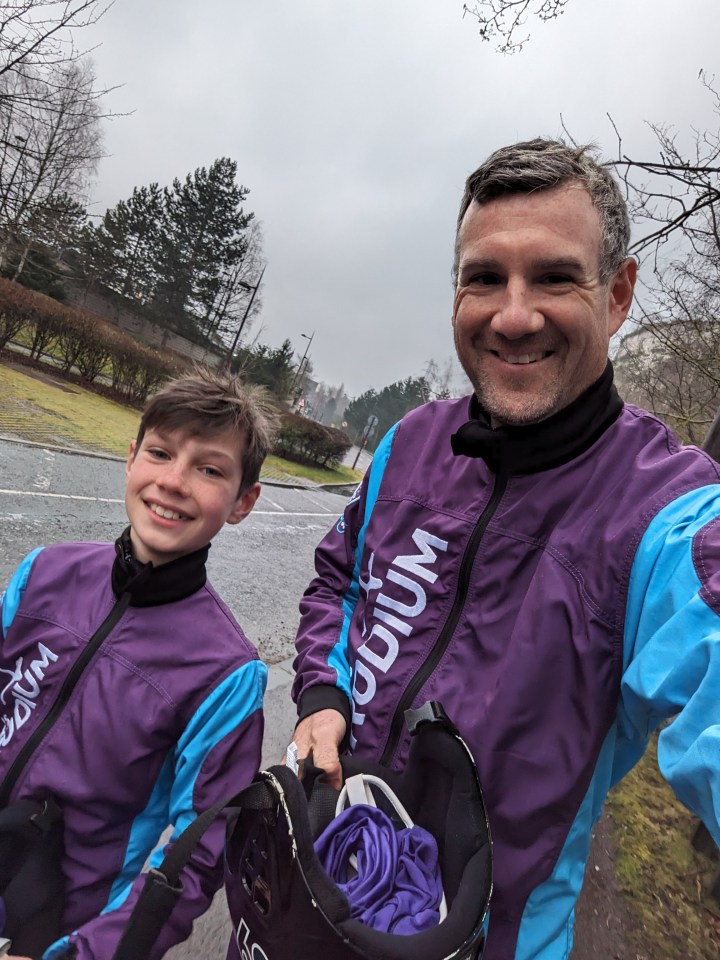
(260, 568)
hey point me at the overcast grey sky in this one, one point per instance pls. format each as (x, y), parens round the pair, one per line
(354, 124)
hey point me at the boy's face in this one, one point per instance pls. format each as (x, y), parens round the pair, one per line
(181, 489)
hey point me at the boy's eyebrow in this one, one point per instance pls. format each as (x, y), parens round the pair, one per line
(212, 453)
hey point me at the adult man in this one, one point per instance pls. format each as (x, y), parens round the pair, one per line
(549, 569)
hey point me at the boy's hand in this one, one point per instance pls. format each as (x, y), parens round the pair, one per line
(318, 737)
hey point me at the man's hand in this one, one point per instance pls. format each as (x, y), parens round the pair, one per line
(318, 737)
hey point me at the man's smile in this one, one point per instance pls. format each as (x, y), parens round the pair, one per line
(522, 357)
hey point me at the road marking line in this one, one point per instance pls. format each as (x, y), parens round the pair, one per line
(61, 496)
(287, 513)
(312, 500)
(76, 496)
(267, 498)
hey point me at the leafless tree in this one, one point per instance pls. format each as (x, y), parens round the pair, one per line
(503, 22)
(674, 199)
(236, 289)
(50, 113)
(678, 192)
(50, 144)
(673, 369)
(37, 36)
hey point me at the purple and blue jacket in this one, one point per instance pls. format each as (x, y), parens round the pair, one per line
(557, 588)
(131, 695)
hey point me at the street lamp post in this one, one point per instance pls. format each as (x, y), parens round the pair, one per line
(300, 365)
(227, 359)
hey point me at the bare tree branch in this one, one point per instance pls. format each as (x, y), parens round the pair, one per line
(502, 21)
(672, 362)
(37, 34)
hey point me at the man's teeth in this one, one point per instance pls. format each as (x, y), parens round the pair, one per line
(523, 358)
(162, 512)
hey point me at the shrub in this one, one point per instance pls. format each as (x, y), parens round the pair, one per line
(81, 340)
(16, 308)
(305, 441)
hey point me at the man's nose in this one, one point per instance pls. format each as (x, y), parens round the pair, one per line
(517, 315)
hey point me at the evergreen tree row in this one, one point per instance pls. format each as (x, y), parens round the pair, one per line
(186, 254)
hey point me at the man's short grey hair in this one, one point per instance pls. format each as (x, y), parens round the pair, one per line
(542, 164)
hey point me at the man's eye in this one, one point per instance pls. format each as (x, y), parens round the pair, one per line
(484, 279)
(556, 278)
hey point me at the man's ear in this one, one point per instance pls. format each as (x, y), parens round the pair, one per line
(620, 295)
(244, 504)
(131, 457)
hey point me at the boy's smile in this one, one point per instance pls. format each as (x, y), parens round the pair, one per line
(181, 489)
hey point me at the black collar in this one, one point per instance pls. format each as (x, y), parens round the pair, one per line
(151, 586)
(540, 446)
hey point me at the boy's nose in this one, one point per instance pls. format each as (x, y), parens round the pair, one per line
(516, 315)
(174, 478)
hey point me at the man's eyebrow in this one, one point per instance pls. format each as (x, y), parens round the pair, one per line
(479, 263)
(560, 263)
(543, 264)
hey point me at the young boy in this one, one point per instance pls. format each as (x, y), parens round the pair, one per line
(129, 695)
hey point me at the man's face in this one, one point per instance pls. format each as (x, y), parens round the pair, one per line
(532, 320)
(180, 490)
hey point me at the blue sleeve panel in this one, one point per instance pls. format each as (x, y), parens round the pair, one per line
(10, 600)
(671, 668)
(672, 653)
(338, 659)
(58, 950)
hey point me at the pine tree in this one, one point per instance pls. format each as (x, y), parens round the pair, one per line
(125, 245)
(203, 238)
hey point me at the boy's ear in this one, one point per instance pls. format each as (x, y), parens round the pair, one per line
(244, 504)
(131, 456)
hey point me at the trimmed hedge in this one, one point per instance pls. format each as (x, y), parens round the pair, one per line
(78, 339)
(305, 441)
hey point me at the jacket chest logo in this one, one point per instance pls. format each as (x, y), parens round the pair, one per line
(398, 601)
(20, 693)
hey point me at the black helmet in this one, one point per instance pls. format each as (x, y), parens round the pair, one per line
(282, 902)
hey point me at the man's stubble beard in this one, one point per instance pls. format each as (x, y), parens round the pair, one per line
(520, 410)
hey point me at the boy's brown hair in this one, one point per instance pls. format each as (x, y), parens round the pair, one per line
(205, 402)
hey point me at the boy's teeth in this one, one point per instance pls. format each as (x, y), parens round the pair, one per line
(167, 514)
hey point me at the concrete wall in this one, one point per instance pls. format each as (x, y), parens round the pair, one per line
(136, 325)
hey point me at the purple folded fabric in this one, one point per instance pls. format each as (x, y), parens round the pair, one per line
(397, 887)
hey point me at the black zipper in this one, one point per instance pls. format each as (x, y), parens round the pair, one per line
(441, 644)
(69, 684)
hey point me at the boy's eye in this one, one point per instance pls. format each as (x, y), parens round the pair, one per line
(157, 454)
(212, 472)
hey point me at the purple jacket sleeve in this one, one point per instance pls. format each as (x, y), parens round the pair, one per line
(218, 754)
(322, 671)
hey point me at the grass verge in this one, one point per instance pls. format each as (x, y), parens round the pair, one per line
(665, 881)
(318, 474)
(44, 408)
(37, 404)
